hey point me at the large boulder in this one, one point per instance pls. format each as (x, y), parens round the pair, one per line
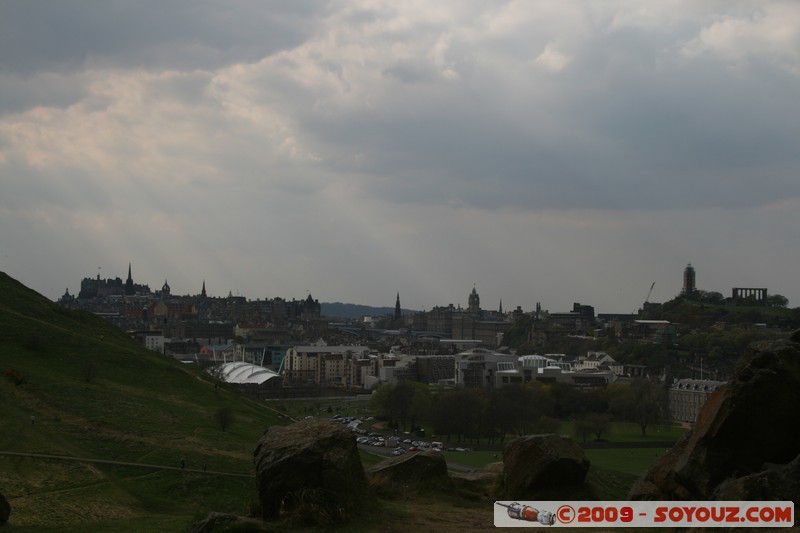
(310, 469)
(482, 483)
(537, 465)
(410, 472)
(745, 441)
(780, 482)
(5, 510)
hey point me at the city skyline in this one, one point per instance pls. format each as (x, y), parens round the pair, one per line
(543, 152)
(129, 283)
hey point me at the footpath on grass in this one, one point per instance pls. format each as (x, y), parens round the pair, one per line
(633, 444)
(123, 463)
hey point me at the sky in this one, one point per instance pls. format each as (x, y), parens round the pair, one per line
(539, 151)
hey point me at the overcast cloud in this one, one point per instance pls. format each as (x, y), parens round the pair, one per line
(551, 152)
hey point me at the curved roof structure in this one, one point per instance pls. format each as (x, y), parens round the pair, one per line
(242, 373)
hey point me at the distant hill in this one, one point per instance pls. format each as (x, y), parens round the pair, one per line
(344, 310)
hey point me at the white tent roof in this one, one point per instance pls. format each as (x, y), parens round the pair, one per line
(239, 372)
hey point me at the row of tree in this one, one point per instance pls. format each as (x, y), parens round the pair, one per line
(466, 414)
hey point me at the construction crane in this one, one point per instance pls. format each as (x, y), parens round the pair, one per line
(647, 299)
(649, 293)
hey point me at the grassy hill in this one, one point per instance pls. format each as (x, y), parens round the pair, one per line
(95, 393)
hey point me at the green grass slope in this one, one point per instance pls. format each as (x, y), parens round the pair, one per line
(97, 394)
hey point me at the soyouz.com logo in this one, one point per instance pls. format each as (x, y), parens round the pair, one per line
(644, 514)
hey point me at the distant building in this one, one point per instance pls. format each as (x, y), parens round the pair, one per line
(323, 365)
(467, 326)
(548, 369)
(580, 320)
(689, 284)
(154, 342)
(687, 396)
(749, 295)
(474, 300)
(247, 374)
(440, 319)
(476, 368)
(434, 368)
(650, 331)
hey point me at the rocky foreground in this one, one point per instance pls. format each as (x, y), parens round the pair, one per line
(746, 442)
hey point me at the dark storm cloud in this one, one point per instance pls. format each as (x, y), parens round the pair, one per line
(629, 121)
(183, 35)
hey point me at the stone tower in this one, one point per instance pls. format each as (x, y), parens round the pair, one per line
(474, 301)
(689, 286)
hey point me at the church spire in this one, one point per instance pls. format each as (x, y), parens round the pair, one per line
(129, 289)
(397, 313)
(203, 291)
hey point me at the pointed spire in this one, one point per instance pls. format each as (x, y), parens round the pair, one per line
(203, 291)
(397, 311)
(129, 289)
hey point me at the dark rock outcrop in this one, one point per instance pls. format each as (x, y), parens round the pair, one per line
(412, 471)
(745, 443)
(310, 469)
(5, 510)
(538, 464)
(481, 484)
(773, 482)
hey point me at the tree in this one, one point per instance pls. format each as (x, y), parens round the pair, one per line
(441, 415)
(224, 417)
(710, 297)
(776, 300)
(592, 424)
(470, 404)
(643, 402)
(516, 409)
(420, 405)
(544, 425)
(400, 403)
(379, 402)
(460, 412)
